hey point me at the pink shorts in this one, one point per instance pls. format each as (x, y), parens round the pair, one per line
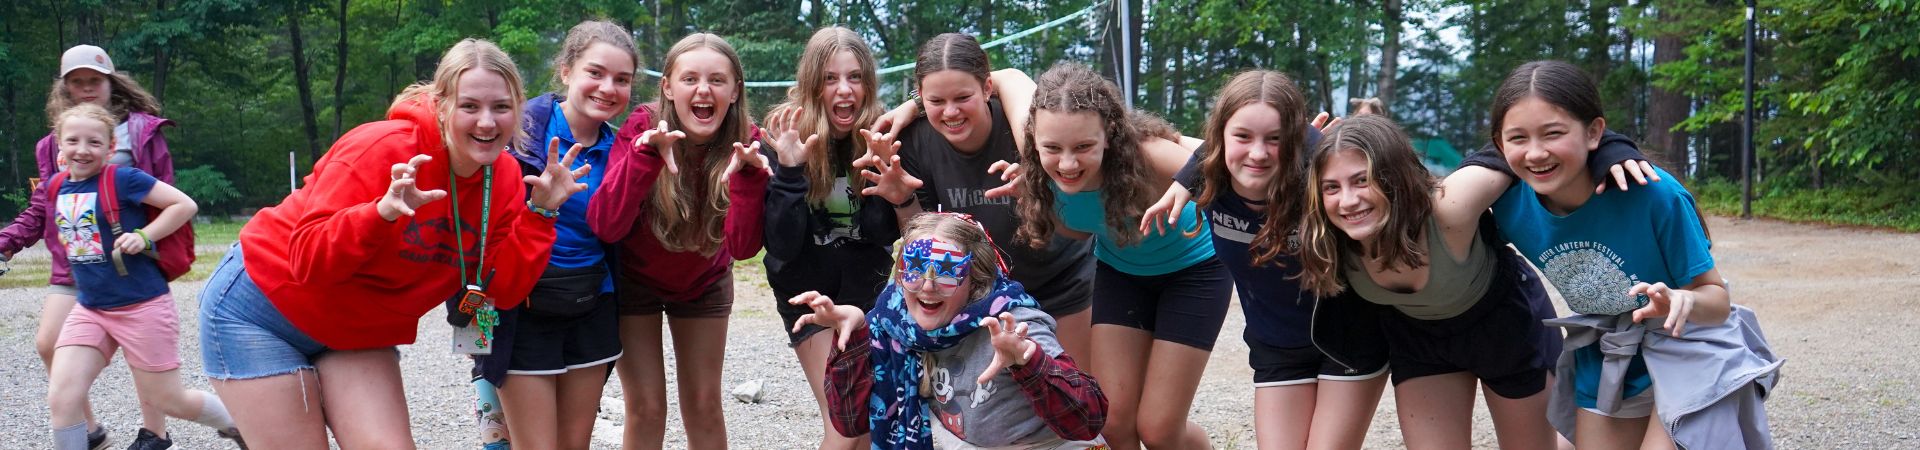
(149, 331)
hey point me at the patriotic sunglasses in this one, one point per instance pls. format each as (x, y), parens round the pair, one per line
(945, 262)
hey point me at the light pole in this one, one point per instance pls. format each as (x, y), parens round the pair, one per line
(1746, 129)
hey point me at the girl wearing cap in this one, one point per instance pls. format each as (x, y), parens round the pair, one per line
(87, 76)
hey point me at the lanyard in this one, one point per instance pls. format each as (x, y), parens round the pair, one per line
(459, 238)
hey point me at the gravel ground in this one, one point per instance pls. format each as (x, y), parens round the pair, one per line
(1838, 303)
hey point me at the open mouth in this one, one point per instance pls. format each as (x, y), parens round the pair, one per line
(843, 112)
(928, 305)
(1069, 177)
(486, 139)
(955, 126)
(602, 103)
(1357, 217)
(1543, 172)
(702, 110)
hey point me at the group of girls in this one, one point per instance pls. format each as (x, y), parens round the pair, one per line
(996, 229)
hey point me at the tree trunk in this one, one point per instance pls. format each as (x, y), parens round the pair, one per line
(1665, 109)
(1389, 52)
(818, 9)
(13, 121)
(340, 71)
(1356, 79)
(301, 81)
(1600, 18)
(162, 59)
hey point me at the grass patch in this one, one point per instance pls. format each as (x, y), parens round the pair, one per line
(1892, 206)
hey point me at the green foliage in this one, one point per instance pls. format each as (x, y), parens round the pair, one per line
(208, 187)
(1894, 205)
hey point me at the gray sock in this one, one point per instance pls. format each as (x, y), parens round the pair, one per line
(213, 413)
(73, 437)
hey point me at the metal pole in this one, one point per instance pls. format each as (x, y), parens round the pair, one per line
(291, 180)
(1126, 51)
(1746, 129)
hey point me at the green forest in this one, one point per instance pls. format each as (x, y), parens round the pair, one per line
(1837, 104)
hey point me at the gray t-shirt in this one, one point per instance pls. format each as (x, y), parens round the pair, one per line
(122, 145)
(995, 414)
(1060, 274)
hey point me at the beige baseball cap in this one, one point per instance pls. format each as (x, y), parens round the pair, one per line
(85, 57)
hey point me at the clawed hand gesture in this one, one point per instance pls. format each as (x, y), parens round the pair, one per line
(663, 140)
(787, 144)
(1009, 173)
(1010, 344)
(552, 187)
(843, 319)
(403, 195)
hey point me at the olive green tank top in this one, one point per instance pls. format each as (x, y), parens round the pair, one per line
(1452, 286)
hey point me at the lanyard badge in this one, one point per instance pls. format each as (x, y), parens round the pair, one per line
(477, 337)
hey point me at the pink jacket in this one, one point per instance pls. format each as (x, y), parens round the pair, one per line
(31, 226)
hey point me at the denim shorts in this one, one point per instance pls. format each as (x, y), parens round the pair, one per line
(242, 335)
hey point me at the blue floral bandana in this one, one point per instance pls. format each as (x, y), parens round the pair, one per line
(895, 412)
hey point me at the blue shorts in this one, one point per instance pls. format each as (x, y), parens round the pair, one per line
(242, 335)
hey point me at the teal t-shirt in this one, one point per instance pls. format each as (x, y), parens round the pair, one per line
(1153, 254)
(1596, 253)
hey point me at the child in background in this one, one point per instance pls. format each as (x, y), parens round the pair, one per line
(124, 299)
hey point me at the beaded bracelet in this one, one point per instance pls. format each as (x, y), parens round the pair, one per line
(543, 212)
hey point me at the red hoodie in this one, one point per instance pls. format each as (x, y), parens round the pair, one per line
(618, 214)
(352, 280)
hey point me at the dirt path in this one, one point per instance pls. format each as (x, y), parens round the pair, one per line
(1838, 303)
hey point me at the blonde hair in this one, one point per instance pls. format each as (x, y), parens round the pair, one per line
(960, 229)
(470, 53)
(84, 111)
(678, 220)
(812, 117)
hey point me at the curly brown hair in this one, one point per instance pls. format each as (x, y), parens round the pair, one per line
(1285, 191)
(1393, 168)
(1128, 178)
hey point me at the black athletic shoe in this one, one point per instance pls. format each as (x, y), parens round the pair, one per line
(98, 439)
(149, 441)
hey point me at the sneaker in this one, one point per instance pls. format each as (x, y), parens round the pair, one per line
(98, 439)
(149, 441)
(234, 434)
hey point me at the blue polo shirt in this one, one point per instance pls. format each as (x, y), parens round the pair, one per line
(574, 244)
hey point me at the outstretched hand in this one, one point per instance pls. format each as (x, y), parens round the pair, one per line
(892, 182)
(745, 156)
(843, 319)
(1010, 344)
(552, 187)
(787, 144)
(403, 195)
(663, 140)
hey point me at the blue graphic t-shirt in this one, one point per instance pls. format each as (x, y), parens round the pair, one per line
(1153, 254)
(81, 216)
(574, 244)
(1593, 255)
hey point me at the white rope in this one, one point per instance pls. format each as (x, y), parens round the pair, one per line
(909, 66)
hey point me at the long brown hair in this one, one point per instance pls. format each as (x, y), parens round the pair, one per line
(962, 230)
(812, 117)
(124, 96)
(469, 54)
(690, 216)
(1394, 169)
(1128, 178)
(1284, 192)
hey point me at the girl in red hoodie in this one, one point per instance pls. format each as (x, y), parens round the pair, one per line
(298, 323)
(677, 233)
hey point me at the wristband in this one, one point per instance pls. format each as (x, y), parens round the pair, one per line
(909, 202)
(143, 236)
(543, 212)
